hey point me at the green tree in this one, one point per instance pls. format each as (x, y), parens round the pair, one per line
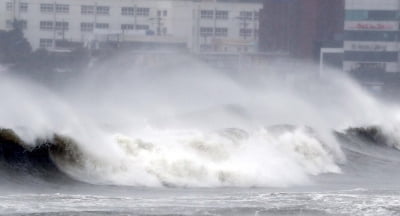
(14, 48)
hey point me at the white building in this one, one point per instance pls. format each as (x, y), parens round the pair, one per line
(200, 25)
(371, 43)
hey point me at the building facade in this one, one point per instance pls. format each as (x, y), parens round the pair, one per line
(198, 25)
(371, 43)
(301, 27)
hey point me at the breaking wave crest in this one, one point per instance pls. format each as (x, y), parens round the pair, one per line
(275, 156)
(377, 135)
(231, 157)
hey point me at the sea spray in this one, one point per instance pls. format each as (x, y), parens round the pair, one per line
(161, 125)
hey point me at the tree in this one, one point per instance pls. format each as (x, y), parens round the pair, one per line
(14, 48)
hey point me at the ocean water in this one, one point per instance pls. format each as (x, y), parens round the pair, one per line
(228, 201)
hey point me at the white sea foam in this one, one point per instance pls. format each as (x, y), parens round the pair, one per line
(192, 158)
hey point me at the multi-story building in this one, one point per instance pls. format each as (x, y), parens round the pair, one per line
(371, 43)
(198, 25)
(301, 27)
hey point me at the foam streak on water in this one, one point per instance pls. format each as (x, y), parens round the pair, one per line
(357, 203)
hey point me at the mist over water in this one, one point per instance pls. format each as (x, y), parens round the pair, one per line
(182, 123)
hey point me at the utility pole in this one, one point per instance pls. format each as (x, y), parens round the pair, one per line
(95, 14)
(54, 25)
(215, 28)
(159, 23)
(63, 29)
(135, 17)
(95, 43)
(256, 26)
(14, 22)
(288, 29)
(397, 40)
(14, 8)
(198, 23)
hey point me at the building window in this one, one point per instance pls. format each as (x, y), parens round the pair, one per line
(206, 31)
(221, 32)
(245, 32)
(246, 15)
(375, 15)
(62, 26)
(143, 11)
(102, 25)
(87, 27)
(46, 8)
(224, 15)
(132, 27)
(142, 27)
(356, 15)
(87, 9)
(46, 25)
(371, 35)
(62, 8)
(46, 43)
(382, 15)
(9, 6)
(23, 24)
(103, 10)
(162, 13)
(127, 26)
(361, 56)
(206, 47)
(256, 15)
(23, 7)
(366, 68)
(207, 14)
(128, 11)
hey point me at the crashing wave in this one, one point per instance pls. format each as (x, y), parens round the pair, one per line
(229, 157)
(377, 135)
(274, 156)
(20, 158)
